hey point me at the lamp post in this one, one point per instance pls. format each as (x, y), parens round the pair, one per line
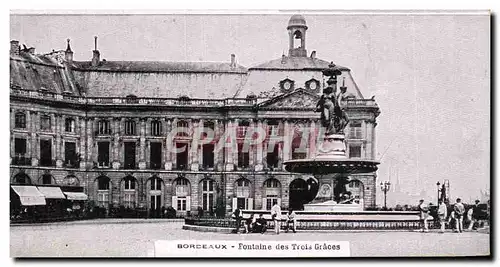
(385, 186)
(438, 190)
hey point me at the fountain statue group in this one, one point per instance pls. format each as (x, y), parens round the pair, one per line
(330, 158)
(334, 120)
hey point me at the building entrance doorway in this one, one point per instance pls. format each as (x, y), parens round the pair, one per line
(302, 192)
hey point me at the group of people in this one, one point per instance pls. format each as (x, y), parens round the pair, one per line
(259, 225)
(457, 216)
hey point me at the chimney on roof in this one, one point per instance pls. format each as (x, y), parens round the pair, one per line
(283, 58)
(68, 54)
(233, 60)
(95, 54)
(14, 47)
(313, 54)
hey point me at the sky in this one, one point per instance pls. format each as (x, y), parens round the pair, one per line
(430, 75)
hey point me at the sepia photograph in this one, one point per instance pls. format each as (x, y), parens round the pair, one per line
(245, 134)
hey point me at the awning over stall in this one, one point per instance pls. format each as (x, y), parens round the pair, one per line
(76, 195)
(51, 192)
(29, 195)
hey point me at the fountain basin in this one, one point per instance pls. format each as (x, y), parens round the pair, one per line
(331, 166)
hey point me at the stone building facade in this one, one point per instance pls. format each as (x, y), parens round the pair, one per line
(112, 127)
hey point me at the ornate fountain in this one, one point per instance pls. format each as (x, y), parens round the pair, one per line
(330, 165)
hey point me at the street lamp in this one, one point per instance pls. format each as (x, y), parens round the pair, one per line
(385, 186)
(438, 190)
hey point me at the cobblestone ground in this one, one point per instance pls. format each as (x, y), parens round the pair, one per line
(136, 240)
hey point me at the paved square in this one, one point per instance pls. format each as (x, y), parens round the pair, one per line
(136, 240)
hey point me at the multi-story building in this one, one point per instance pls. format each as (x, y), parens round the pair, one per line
(128, 132)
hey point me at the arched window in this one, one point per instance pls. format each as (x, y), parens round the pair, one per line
(297, 36)
(272, 193)
(20, 120)
(103, 188)
(103, 183)
(130, 128)
(181, 200)
(208, 194)
(129, 192)
(243, 194)
(46, 179)
(155, 196)
(22, 178)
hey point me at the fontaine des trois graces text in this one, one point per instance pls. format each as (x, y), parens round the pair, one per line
(251, 248)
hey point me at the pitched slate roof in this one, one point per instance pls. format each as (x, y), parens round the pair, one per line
(295, 63)
(161, 66)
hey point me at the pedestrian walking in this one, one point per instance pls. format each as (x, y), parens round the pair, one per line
(442, 212)
(237, 216)
(459, 210)
(276, 217)
(424, 214)
(476, 215)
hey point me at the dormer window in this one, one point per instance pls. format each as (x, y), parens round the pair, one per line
(312, 85)
(287, 85)
(131, 99)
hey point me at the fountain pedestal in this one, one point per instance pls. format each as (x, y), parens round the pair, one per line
(331, 166)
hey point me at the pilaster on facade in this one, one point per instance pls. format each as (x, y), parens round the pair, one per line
(259, 166)
(142, 144)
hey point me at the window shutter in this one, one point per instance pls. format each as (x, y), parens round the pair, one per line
(174, 202)
(264, 203)
(235, 203)
(188, 203)
(250, 203)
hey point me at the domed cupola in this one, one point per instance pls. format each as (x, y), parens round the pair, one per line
(297, 28)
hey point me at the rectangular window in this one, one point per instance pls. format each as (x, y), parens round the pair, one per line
(270, 201)
(155, 202)
(181, 203)
(103, 154)
(130, 127)
(70, 158)
(69, 125)
(241, 202)
(155, 155)
(208, 156)
(354, 151)
(103, 199)
(182, 156)
(20, 146)
(46, 153)
(103, 127)
(242, 129)
(273, 128)
(20, 120)
(45, 123)
(355, 130)
(129, 155)
(243, 157)
(20, 152)
(156, 129)
(129, 200)
(273, 157)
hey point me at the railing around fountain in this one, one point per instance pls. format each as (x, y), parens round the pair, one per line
(338, 220)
